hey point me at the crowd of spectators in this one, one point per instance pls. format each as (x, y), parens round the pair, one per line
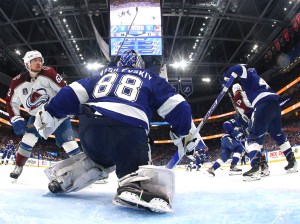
(161, 153)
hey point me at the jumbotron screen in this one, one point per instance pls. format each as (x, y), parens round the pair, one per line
(145, 34)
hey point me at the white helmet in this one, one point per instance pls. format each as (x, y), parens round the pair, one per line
(236, 87)
(30, 55)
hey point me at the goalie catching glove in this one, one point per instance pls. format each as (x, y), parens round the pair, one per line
(45, 123)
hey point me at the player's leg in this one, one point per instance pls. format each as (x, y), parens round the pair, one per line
(8, 157)
(3, 156)
(25, 147)
(275, 130)
(264, 165)
(64, 137)
(257, 130)
(74, 174)
(238, 149)
(225, 154)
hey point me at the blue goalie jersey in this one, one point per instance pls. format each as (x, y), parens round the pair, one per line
(128, 95)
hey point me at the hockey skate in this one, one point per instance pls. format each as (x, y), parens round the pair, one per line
(132, 195)
(292, 165)
(253, 174)
(265, 170)
(211, 172)
(17, 172)
(235, 171)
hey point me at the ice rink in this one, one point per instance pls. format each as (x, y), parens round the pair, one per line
(199, 199)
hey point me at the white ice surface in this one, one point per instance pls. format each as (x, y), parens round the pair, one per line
(199, 199)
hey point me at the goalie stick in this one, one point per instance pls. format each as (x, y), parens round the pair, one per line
(176, 158)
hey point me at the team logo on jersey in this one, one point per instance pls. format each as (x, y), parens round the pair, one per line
(37, 98)
(25, 91)
(58, 78)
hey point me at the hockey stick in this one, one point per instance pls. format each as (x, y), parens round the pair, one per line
(181, 151)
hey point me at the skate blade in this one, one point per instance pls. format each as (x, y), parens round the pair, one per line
(208, 174)
(235, 174)
(13, 181)
(251, 178)
(265, 174)
(292, 170)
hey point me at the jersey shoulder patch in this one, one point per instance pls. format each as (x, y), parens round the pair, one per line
(49, 72)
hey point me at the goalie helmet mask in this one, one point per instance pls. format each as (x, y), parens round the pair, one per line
(30, 55)
(131, 59)
(236, 87)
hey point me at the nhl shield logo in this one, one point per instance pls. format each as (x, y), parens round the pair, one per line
(25, 91)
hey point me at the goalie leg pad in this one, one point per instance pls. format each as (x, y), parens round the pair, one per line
(150, 188)
(74, 174)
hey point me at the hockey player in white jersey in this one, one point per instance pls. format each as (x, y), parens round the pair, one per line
(33, 89)
(115, 109)
(266, 117)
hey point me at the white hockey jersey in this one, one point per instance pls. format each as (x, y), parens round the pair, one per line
(32, 93)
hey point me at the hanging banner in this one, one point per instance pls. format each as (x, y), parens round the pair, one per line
(186, 86)
(277, 44)
(281, 40)
(295, 25)
(102, 44)
(174, 82)
(163, 72)
(285, 34)
(291, 32)
(298, 18)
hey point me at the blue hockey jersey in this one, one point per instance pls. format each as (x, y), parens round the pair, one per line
(128, 95)
(257, 90)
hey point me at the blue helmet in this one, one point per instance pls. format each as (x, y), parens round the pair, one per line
(228, 126)
(131, 59)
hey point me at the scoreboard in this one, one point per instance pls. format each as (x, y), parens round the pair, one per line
(145, 39)
(145, 34)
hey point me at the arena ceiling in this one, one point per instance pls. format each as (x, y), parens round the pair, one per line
(210, 35)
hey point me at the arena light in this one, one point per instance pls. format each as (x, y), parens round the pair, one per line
(181, 64)
(94, 66)
(206, 80)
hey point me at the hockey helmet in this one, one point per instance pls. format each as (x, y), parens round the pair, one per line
(30, 55)
(131, 59)
(236, 87)
(228, 126)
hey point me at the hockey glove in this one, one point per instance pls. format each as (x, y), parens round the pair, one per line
(185, 144)
(46, 124)
(19, 125)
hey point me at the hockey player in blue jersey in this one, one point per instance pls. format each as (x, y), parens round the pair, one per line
(244, 113)
(200, 157)
(114, 109)
(8, 152)
(265, 118)
(230, 145)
